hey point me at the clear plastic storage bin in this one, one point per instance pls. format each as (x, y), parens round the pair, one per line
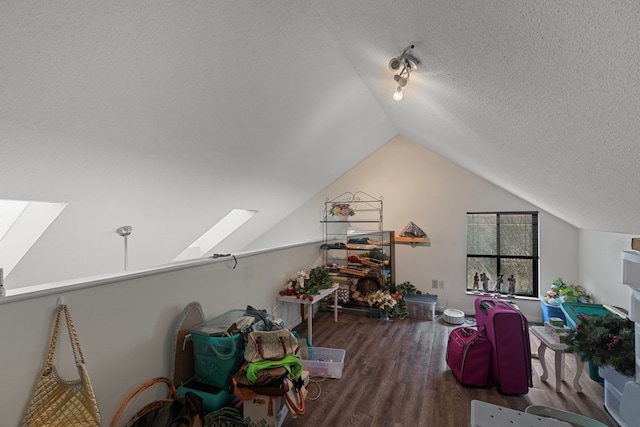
(324, 362)
(421, 306)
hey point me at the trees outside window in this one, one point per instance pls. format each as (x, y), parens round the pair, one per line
(503, 246)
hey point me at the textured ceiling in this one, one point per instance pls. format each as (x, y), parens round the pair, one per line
(540, 98)
(165, 115)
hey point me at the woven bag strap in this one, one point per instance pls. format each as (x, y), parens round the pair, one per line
(73, 336)
(142, 387)
(53, 340)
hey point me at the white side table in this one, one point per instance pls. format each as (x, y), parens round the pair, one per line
(316, 299)
(550, 340)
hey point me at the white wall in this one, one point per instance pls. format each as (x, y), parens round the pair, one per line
(420, 186)
(601, 266)
(125, 328)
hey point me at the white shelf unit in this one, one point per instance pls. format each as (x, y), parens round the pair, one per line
(631, 269)
(631, 278)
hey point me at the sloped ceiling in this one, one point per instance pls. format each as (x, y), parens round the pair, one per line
(165, 115)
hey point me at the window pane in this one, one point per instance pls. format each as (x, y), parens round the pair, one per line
(522, 270)
(481, 265)
(481, 234)
(503, 243)
(516, 232)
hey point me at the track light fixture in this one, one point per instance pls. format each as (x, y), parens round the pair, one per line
(403, 65)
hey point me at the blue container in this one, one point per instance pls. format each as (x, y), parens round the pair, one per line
(213, 398)
(217, 356)
(594, 374)
(573, 309)
(549, 311)
(216, 359)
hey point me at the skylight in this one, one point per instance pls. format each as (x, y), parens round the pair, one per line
(216, 234)
(10, 211)
(21, 225)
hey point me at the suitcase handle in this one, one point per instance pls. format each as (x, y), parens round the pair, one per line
(486, 305)
(469, 332)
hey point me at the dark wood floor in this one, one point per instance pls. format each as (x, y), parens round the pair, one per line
(395, 375)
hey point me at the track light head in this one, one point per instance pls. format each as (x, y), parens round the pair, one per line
(402, 81)
(395, 64)
(410, 61)
(397, 95)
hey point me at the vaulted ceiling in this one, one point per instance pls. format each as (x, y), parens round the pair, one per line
(165, 115)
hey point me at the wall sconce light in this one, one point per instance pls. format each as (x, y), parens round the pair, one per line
(403, 65)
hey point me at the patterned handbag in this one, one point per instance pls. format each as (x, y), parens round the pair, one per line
(265, 345)
(57, 402)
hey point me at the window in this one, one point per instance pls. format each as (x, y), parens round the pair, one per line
(216, 234)
(22, 222)
(502, 244)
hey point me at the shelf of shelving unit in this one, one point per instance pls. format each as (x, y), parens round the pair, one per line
(631, 269)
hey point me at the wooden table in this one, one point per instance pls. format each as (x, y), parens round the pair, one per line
(550, 340)
(316, 299)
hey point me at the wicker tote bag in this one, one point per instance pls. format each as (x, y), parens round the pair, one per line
(171, 411)
(61, 403)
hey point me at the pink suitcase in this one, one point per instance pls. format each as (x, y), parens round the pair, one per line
(469, 356)
(508, 331)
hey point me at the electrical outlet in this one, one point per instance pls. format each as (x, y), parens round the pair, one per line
(434, 284)
(441, 284)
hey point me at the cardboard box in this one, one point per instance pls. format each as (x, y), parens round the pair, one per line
(265, 411)
(635, 243)
(268, 411)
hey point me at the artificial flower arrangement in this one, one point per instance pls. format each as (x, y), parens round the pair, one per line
(383, 299)
(392, 302)
(341, 209)
(307, 284)
(561, 292)
(604, 340)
